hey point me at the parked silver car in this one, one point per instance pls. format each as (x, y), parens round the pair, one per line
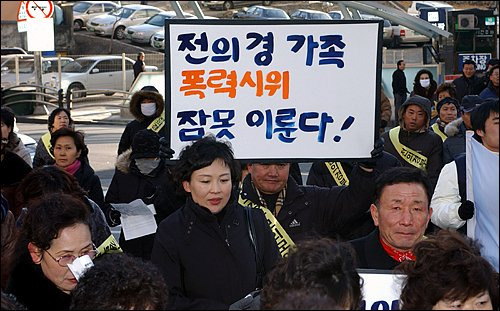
(83, 11)
(309, 14)
(144, 32)
(127, 15)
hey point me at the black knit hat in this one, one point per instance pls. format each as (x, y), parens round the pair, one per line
(146, 144)
(421, 101)
(469, 102)
(447, 100)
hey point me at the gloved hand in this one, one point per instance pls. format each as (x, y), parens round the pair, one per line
(376, 153)
(466, 210)
(114, 217)
(165, 151)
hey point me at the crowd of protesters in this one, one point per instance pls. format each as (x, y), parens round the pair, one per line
(259, 240)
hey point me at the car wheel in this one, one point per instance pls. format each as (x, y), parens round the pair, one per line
(228, 5)
(119, 33)
(266, 3)
(77, 25)
(75, 87)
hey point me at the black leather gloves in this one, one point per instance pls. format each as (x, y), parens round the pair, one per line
(165, 151)
(376, 153)
(114, 217)
(466, 210)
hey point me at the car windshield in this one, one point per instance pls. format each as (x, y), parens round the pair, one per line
(275, 13)
(122, 12)
(320, 16)
(81, 7)
(25, 66)
(79, 65)
(157, 20)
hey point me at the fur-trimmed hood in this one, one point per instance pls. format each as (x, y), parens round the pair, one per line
(135, 104)
(453, 128)
(123, 161)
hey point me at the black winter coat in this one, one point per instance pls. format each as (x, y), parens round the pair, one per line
(426, 143)
(127, 186)
(90, 182)
(399, 83)
(131, 129)
(468, 86)
(371, 253)
(42, 156)
(31, 288)
(321, 211)
(207, 264)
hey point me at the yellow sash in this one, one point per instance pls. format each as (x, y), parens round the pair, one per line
(408, 154)
(435, 128)
(337, 173)
(158, 123)
(110, 246)
(282, 238)
(46, 142)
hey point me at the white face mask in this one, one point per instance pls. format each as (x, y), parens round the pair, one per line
(148, 109)
(147, 165)
(425, 82)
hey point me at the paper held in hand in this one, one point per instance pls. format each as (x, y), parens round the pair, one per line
(137, 218)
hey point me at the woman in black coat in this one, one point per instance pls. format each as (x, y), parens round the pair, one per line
(213, 251)
(70, 154)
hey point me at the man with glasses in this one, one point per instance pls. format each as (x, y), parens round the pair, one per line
(55, 232)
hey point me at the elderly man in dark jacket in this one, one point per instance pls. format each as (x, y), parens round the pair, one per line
(412, 142)
(305, 211)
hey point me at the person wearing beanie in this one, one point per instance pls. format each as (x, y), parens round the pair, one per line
(455, 130)
(447, 109)
(148, 108)
(412, 143)
(141, 174)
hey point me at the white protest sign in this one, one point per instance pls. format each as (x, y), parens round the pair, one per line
(381, 289)
(275, 89)
(40, 34)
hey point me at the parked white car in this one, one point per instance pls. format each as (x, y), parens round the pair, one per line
(158, 38)
(96, 72)
(27, 68)
(83, 11)
(144, 32)
(127, 15)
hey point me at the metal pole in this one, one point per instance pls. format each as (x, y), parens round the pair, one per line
(196, 9)
(177, 8)
(16, 64)
(124, 73)
(38, 72)
(59, 72)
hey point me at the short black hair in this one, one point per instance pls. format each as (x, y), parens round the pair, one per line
(203, 153)
(8, 116)
(482, 113)
(54, 113)
(397, 175)
(119, 281)
(470, 62)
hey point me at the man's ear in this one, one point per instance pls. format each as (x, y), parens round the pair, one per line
(374, 212)
(35, 253)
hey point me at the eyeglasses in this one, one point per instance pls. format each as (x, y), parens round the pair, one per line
(63, 261)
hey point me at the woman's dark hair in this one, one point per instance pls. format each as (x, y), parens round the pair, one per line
(447, 87)
(321, 266)
(45, 180)
(8, 118)
(203, 153)
(419, 90)
(54, 113)
(119, 281)
(78, 138)
(49, 215)
(448, 266)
